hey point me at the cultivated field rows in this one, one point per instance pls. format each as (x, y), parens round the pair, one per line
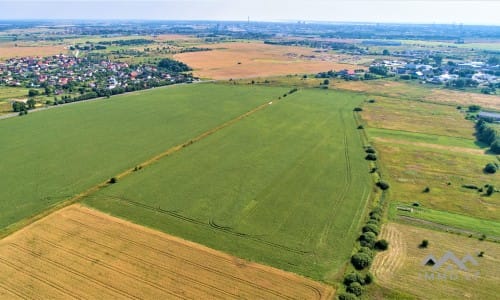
(81, 253)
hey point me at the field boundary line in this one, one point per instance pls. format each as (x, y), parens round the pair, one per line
(78, 197)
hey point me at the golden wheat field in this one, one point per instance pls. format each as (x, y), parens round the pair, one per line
(81, 253)
(253, 59)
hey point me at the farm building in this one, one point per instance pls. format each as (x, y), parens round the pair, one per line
(489, 116)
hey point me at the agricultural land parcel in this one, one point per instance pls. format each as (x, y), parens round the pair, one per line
(431, 145)
(412, 91)
(286, 186)
(423, 141)
(256, 59)
(251, 189)
(401, 268)
(79, 253)
(59, 153)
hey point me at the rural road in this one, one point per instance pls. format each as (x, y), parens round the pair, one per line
(11, 115)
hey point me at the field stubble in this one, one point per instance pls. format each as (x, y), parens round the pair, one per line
(78, 253)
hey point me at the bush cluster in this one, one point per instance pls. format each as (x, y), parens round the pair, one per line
(491, 168)
(383, 185)
(355, 281)
(488, 135)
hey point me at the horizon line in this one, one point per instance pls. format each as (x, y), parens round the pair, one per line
(251, 21)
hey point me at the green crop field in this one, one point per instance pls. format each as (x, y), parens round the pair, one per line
(286, 186)
(50, 156)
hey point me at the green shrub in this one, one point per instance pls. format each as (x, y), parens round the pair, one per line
(490, 190)
(424, 244)
(382, 245)
(427, 189)
(361, 260)
(353, 277)
(369, 278)
(371, 156)
(375, 216)
(355, 288)
(368, 239)
(358, 109)
(366, 250)
(113, 180)
(474, 108)
(376, 210)
(383, 185)
(347, 296)
(495, 146)
(490, 168)
(370, 150)
(371, 228)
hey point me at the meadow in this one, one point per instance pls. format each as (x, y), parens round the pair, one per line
(286, 186)
(81, 253)
(427, 145)
(418, 92)
(53, 155)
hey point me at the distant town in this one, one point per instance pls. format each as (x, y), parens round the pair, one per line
(70, 78)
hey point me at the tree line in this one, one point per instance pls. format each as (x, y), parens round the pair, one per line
(488, 135)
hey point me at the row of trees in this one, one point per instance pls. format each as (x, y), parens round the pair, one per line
(22, 108)
(96, 93)
(488, 135)
(355, 281)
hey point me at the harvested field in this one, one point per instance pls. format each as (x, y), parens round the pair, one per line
(248, 60)
(9, 50)
(464, 98)
(80, 253)
(400, 268)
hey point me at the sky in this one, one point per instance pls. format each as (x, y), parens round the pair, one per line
(407, 11)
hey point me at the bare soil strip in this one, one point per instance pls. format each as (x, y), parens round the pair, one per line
(80, 253)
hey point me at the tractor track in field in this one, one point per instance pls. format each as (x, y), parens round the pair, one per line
(189, 262)
(114, 269)
(137, 259)
(345, 190)
(38, 278)
(211, 225)
(92, 190)
(14, 292)
(72, 271)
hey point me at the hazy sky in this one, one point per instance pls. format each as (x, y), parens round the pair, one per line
(413, 11)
